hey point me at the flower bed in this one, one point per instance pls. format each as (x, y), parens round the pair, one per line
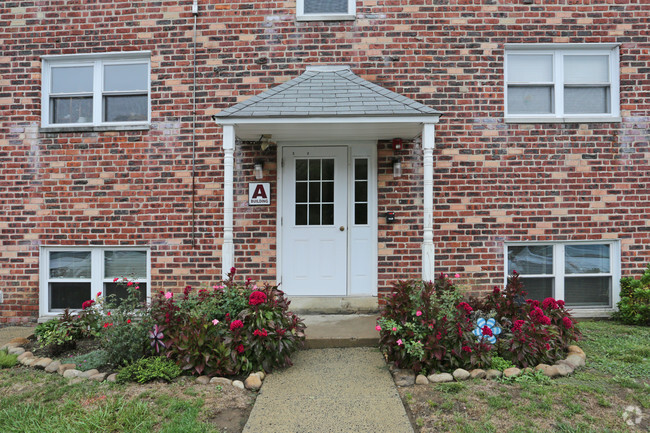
(427, 327)
(231, 329)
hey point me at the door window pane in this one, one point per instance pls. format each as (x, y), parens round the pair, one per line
(314, 214)
(72, 79)
(587, 291)
(326, 6)
(130, 264)
(361, 213)
(301, 169)
(71, 110)
(586, 69)
(314, 192)
(328, 169)
(68, 295)
(530, 100)
(128, 108)
(314, 169)
(328, 192)
(301, 192)
(301, 215)
(538, 288)
(70, 264)
(586, 100)
(360, 169)
(328, 214)
(530, 259)
(586, 259)
(126, 77)
(360, 191)
(530, 68)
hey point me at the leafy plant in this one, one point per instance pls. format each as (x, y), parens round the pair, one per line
(500, 364)
(634, 306)
(59, 334)
(95, 359)
(147, 369)
(7, 360)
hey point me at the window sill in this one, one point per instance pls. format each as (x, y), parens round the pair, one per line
(333, 17)
(586, 119)
(92, 128)
(591, 312)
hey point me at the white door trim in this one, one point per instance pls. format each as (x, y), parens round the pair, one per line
(356, 149)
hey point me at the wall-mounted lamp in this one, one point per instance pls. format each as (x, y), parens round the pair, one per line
(397, 168)
(258, 171)
(265, 141)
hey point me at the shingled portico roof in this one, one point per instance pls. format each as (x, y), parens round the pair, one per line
(328, 95)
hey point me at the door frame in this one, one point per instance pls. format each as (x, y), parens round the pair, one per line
(355, 148)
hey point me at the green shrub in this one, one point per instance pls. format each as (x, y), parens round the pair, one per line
(147, 369)
(95, 359)
(60, 334)
(7, 360)
(500, 364)
(634, 306)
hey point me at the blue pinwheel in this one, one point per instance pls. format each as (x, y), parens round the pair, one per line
(487, 330)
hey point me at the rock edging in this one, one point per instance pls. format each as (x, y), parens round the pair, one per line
(575, 359)
(27, 359)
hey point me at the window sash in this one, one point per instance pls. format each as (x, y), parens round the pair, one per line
(97, 281)
(559, 272)
(97, 63)
(559, 85)
(350, 14)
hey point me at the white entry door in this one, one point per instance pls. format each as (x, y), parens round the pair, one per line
(314, 221)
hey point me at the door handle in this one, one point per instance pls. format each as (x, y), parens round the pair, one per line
(342, 228)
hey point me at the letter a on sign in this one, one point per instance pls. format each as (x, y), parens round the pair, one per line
(259, 194)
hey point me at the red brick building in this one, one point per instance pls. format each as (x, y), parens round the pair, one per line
(379, 140)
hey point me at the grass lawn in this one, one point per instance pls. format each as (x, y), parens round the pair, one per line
(38, 402)
(593, 399)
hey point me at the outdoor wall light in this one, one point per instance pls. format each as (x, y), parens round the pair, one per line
(397, 168)
(258, 171)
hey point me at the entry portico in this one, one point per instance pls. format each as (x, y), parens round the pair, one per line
(327, 123)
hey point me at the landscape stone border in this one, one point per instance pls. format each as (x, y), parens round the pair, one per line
(575, 359)
(15, 347)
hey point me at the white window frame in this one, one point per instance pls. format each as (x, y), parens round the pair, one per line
(559, 271)
(97, 61)
(302, 16)
(96, 279)
(558, 51)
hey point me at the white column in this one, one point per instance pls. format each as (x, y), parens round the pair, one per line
(228, 247)
(428, 251)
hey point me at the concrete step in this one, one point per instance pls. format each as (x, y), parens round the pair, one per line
(340, 330)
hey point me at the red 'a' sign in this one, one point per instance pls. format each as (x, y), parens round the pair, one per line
(259, 192)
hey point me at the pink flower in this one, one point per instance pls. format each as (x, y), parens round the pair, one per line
(215, 322)
(378, 328)
(137, 287)
(418, 313)
(394, 328)
(399, 342)
(446, 276)
(168, 295)
(236, 324)
(457, 276)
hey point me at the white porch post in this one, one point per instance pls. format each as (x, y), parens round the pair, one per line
(228, 247)
(428, 251)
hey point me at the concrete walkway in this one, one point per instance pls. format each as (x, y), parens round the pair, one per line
(9, 332)
(340, 330)
(330, 390)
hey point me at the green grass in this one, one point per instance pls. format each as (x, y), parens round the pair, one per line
(37, 402)
(7, 360)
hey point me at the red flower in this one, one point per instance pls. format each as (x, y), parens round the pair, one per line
(87, 304)
(496, 290)
(568, 324)
(106, 325)
(548, 346)
(236, 324)
(465, 306)
(517, 325)
(99, 294)
(257, 298)
(281, 331)
(261, 333)
(467, 349)
(438, 336)
(233, 271)
(128, 320)
(487, 331)
(108, 314)
(115, 280)
(560, 303)
(532, 302)
(550, 304)
(545, 320)
(240, 348)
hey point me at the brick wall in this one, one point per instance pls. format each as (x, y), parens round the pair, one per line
(494, 182)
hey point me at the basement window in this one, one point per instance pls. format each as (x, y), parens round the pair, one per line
(325, 10)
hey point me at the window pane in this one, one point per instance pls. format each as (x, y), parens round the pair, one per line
(314, 214)
(534, 259)
(301, 169)
(326, 6)
(314, 192)
(69, 264)
(586, 69)
(301, 214)
(72, 79)
(530, 100)
(328, 214)
(301, 192)
(587, 291)
(360, 169)
(526, 68)
(130, 264)
(586, 259)
(538, 288)
(126, 77)
(360, 191)
(586, 100)
(328, 169)
(120, 291)
(71, 110)
(125, 108)
(328, 191)
(314, 169)
(361, 213)
(68, 295)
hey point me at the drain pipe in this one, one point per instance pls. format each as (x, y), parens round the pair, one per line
(195, 12)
